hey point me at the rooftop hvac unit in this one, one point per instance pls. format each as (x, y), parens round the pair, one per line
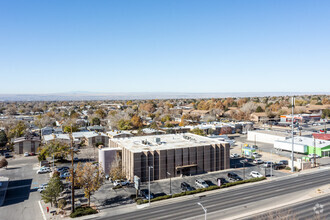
(157, 139)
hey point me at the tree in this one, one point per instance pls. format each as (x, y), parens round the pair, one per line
(124, 124)
(89, 177)
(67, 129)
(96, 121)
(259, 109)
(18, 130)
(116, 171)
(198, 131)
(57, 149)
(3, 163)
(136, 121)
(3, 138)
(52, 191)
(100, 113)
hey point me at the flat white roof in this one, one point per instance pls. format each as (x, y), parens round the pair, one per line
(166, 141)
(299, 140)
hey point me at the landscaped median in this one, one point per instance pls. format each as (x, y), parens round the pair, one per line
(142, 201)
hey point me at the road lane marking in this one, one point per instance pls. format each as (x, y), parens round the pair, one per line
(42, 211)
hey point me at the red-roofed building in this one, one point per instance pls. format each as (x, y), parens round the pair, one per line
(325, 137)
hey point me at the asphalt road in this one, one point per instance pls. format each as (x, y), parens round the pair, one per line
(318, 208)
(225, 199)
(21, 201)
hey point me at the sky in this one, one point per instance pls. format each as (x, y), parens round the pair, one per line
(164, 46)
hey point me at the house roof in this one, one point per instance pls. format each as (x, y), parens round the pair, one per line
(325, 137)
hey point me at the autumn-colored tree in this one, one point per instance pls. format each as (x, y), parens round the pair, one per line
(182, 123)
(148, 107)
(89, 177)
(18, 130)
(116, 172)
(3, 163)
(136, 121)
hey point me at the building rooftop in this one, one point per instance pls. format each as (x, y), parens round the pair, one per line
(299, 140)
(165, 142)
(272, 132)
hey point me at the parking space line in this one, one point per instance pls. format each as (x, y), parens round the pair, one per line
(42, 211)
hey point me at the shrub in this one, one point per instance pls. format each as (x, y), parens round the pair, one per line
(287, 168)
(61, 203)
(179, 194)
(81, 211)
(3, 163)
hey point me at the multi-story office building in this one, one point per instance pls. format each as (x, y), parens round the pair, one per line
(171, 155)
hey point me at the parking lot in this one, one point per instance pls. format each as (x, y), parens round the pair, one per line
(107, 197)
(22, 193)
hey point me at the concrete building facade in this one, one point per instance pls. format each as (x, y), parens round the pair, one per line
(176, 154)
(26, 144)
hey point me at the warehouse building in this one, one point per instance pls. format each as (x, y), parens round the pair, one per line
(171, 155)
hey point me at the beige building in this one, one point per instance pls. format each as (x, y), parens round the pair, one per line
(28, 144)
(177, 154)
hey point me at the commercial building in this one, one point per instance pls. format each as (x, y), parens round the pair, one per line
(119, 134)
(171, 155)
(89, 138)
(305, 145)
(301, 117)
(266, 136)
(28, 144)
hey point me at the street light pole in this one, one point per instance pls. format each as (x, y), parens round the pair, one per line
(149, 185)
(72, 173)
(170, 183)
(292, 119)
(205, 210)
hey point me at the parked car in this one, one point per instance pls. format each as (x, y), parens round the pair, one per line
(234, 155)
(44, 170)
(248, 160)
(258, 161)
(200, 183)
(313, 155)
(120, 183)
(7, 155)
(32, 154)
(285, 162)
(61, 169)
(268, 164)
(278, 166)
(222, 180)
(233, 176)
(26, 154)
(76, 159)
(255, 174)
(256, 155)
(42, 187)
(186, 187)
(64, 175)
(145, 194)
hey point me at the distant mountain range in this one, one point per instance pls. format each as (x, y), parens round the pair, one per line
(81, 95)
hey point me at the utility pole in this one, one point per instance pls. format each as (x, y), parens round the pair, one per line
(271, 164)
(72, 172)
(292, 154)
